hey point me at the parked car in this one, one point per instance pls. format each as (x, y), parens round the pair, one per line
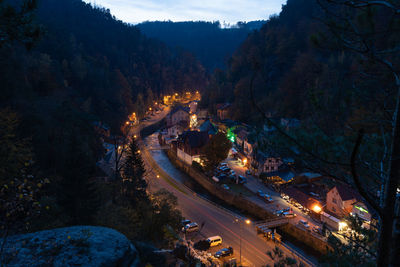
(304, 223)
(286, 209)
(260, 193)
(242, 179)
(214, 241)
(224, 186)
(223, 164)
(224, 252)
(288, 214)
(185, 222)
(248, 172)
(191, 227)
(317, 229)
(279, 212)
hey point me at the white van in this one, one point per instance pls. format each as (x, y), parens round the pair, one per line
(214, 240)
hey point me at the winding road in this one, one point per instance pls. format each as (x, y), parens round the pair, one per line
(215, 219)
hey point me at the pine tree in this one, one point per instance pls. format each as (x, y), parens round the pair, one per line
(134, 185)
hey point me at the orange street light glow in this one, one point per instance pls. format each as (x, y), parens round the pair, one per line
(317, 208)
(245, 161)
(158, 176)
(247, 221)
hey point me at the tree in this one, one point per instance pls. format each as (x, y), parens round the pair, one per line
(166, 219)
(216, 150)
(76, 189)
(15, 151)
(369, 30)
(16, 23)
(133, 186)
(366, 151)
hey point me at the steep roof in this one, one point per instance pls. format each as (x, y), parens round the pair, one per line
(301, 197)
(347, 193)
(194, 138)
(208, 127)
(176, 109)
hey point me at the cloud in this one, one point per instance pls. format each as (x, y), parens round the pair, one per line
(230, 11)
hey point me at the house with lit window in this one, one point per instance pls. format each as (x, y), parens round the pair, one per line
(189, 146)
(177, 129)
(265, 162)
(342, 200)
(193, 106)
(178, 114)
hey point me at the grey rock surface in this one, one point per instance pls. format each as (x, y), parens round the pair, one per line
(71, 246)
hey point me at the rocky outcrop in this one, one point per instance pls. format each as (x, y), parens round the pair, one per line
(71, 246)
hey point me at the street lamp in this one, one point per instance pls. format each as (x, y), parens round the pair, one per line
(241, 221)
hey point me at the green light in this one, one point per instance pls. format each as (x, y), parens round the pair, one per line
(361, 208)
(230, 135)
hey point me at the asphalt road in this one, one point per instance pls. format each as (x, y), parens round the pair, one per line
(216, 220)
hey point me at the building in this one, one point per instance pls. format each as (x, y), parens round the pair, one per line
(177, 115)
(189, 146)
(284, 175)
(223, 111)
(193, 106)
(309, 203)
(266, 162)
(308, 177)
(177, 129)
(340, 200)
(241, 136)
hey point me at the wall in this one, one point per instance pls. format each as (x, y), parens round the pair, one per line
(308, 238)
(238, 201)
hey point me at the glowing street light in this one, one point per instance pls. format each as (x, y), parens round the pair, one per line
(127, 123)
(138, 151)
(135, 136)
(158, 176)
(245, 161)
(317, 209)
(241, 221)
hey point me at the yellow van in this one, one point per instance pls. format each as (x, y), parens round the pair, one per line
(214, 240)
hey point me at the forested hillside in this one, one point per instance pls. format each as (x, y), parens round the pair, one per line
(102, 64)
(81, 66)
(210, 43)
(295, 67)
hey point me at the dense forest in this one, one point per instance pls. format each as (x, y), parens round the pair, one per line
(335, 66)
(63, 66)
(295, 72)
(208, 41)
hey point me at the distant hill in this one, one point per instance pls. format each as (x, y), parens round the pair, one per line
(208, 41)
